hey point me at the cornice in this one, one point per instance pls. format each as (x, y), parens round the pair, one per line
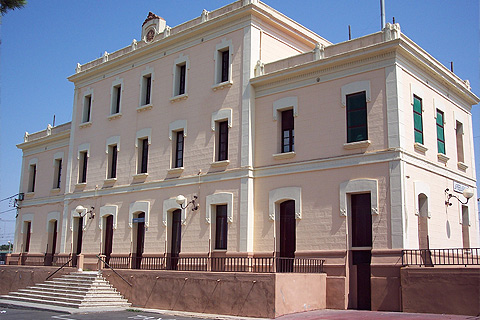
(45, 140)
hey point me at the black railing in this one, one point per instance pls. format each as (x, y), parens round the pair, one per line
(432, 257)
(220, 264)
(109, 266)
(65, 264)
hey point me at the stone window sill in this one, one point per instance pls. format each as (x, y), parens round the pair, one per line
(139, 176)
(222, 85)
(222, 163)
(442, 158)
(110, 181)
(176, 170)
(179, 98)
(284, 155)
(357, 145)
(55, 190)
(81, 185)
(85, 124)
(115, 116)
(145, 107)
(420, 147)
(462, 166)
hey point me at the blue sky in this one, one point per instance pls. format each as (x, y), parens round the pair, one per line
(42, 43)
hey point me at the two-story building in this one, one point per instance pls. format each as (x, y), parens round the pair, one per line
(242, 134)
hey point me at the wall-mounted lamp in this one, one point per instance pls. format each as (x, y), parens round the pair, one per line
(82, 211)
(181, 202)
(467, 193)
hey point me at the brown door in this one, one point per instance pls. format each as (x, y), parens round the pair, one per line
(27, 237)
(108, 238)
(54, 238)
(78, 249)
(176, 239)
(287, 236)
(362, 237)
(140, 239)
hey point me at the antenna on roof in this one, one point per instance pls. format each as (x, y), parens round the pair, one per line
(382, 13)
(53, 120)
(349, 33)
(451, 66)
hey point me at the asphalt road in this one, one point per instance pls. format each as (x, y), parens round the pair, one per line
(28, 314)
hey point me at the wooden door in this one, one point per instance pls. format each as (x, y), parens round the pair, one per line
(140, 240)
(287, 236)
(108, 237)
(176, 238)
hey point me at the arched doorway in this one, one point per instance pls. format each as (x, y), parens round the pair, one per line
(423, 238)
(287, 236)
(77, 238)
(139, 239)
(52, 242)
(108, 237)
(176, 239)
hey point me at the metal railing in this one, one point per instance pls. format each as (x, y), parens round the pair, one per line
(109, 266)
(61, 267)
(221, 264)
(432, 257)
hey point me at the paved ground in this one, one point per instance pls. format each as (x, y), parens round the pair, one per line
(146, 314)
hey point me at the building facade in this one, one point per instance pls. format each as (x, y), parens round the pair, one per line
(289, 145)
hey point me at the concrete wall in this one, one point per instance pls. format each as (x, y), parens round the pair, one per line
(239, 294)
(449, 290)
(13, 278)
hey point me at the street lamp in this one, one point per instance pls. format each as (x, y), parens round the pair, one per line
(467, 193)
(180, 199)
(82, 211)
(9, 247)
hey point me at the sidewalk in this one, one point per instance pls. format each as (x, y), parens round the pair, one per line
(369, 315)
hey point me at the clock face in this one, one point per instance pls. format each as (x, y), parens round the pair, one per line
(150, 35)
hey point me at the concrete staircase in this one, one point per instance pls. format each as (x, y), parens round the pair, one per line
(75, 292)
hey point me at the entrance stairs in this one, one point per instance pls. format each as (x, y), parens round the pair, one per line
(75, 292)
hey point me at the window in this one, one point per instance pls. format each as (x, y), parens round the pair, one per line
(112, 161)
(356, 117)
(142, 155)
(178, 155)
(57, 176)
(82, 167)
(440, 132)
(288, 131)
(181, 66)
(87, 108)
(221, 227)
(459, 137)
(32, 175)
(225, 65)
(417, 119)
(180, 79)
(116, 99)
(222, 141)
(146, 89)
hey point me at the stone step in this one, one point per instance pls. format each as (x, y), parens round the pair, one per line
(72, 294)
(77, 290)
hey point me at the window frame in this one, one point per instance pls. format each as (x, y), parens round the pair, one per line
(220, 63)
(147, 78)
(222, 140)
(57, 176)
(32, 176)
(142, 160)
(459, 131)
(180, 77)
(221, 227)
(349, 110)
(82, 166)
(287, 126)
(112, 161)
(420, 115)
(87, 108)
(440, 130)
(116, 97)
(179, 141)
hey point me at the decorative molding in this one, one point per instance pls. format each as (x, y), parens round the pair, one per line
(219, 199)
(175, 170)
(85, 124)
(144, 107)
(179, 98)
(222, 85)
(107, 211)
(171, 205)
(54, 215)
(218, 164)
(420, 147)
(285, 104)
(222, 114)
(442, 158)
(277, 196)
(354, 87)
(284, 155)
(357, 145)
(177, 125)
(462, 166)
(142, 134)
(139, 206)
(356, 186)
(421, 187)
(115, 140)
(75, 214)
